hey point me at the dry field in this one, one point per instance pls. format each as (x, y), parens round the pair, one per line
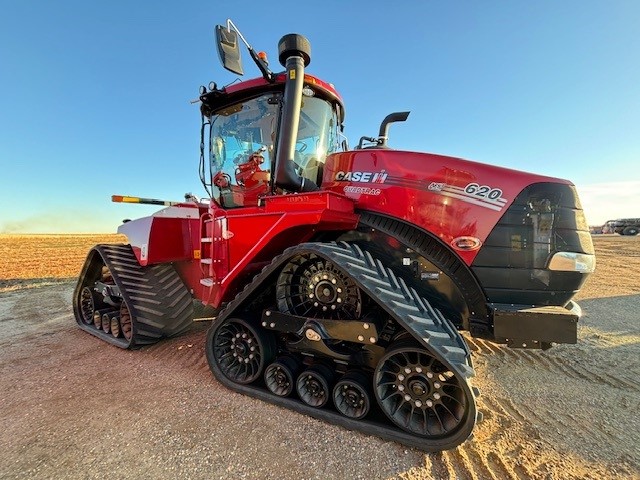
(74, 407)
(31, 260)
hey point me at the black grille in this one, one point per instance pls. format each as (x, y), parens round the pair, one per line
(511, 266)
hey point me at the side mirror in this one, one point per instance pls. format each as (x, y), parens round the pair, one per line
(229, 49)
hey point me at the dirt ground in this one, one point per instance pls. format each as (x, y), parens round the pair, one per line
(75, 407)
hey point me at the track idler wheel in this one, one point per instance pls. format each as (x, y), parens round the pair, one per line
(88, 302)
(242, 351)
(419, 394)
(352, 395)
(314, 385)
(280, 376)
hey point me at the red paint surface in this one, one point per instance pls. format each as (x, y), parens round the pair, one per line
(405, 192)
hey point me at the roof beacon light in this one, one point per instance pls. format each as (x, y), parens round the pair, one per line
(263, 56)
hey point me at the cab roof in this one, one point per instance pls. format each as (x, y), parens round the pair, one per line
(218, 98)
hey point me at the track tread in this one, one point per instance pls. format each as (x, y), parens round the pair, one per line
(158, 300)
(431, 248)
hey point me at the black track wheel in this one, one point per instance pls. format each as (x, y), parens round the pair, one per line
(280, 376)
(87, 305)
(241, 350)
(314, 385)
(106, 323)
(115, 326)
(97, 319)
(97, 316)
(352, 395)
(312, 286)
(421, 395)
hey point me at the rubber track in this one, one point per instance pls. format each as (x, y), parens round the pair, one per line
(158, 301)
(411, 311)
(442, 258)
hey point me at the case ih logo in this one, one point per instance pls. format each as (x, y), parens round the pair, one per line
(363, 177)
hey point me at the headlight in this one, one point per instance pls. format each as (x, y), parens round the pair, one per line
(573, 262)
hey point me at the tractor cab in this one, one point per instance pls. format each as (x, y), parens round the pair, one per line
(268, 135)
(243, 133)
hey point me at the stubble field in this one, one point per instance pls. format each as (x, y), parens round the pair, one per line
(75, 407)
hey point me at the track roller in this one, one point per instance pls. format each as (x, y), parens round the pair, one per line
(106, 323)
(352, 395)
(280, 376)
(115, 326)
(98, 314)
(125, 322)
(97, 319)
(314, 385)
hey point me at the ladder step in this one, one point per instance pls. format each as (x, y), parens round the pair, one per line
(206, 240)
(207, 282)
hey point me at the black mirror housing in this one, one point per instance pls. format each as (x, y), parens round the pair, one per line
(229, 49)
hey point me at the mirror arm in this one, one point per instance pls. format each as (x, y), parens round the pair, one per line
(262, 65)
(231, 24)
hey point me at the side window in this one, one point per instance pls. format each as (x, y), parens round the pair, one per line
(241, 149)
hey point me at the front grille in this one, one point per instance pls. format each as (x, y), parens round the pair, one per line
(512, 264)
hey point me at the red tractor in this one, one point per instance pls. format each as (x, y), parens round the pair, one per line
(343, 278)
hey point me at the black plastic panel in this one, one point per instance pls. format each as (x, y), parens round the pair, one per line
(512, 264)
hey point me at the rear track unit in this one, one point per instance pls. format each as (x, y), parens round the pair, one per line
(128, 305)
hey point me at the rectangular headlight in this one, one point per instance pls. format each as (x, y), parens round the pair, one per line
(573, 262)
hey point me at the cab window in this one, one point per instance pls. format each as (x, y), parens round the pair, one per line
(241, 151)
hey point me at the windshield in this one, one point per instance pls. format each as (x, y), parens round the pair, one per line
(242, 141)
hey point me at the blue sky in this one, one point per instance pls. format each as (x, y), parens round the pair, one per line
(95, 95)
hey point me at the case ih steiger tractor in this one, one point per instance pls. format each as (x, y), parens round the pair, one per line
(342, 278)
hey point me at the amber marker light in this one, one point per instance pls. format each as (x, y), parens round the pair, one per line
(263, 56)
(124, 199)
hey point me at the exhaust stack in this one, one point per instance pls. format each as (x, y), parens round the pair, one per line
(294, 54)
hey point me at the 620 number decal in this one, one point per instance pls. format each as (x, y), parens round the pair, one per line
(483, 191)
